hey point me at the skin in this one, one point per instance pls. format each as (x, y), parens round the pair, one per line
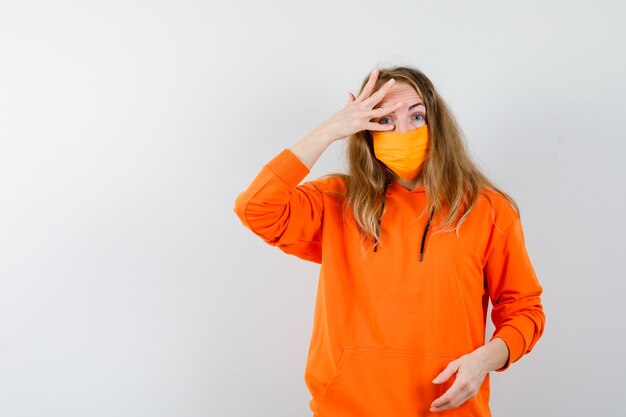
(363, 113)
(469, 370)
(355, 117)
(402, 96)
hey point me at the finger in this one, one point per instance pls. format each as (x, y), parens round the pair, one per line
(377, 96)
(449, 370)
(449, 395)
(378, 127)
(369, 86)
(350, 97)
(451, 404)
(381, 111)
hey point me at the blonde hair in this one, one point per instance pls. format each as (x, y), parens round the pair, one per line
(453, 182)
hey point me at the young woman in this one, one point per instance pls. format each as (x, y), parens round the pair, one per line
(413, 243)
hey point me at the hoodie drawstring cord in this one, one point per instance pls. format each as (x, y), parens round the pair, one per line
(380, 216)
(387, 182)
(426, 231)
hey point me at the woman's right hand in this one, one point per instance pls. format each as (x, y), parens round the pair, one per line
(358, 113)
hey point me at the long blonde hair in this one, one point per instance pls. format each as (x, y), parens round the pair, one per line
(453, 182)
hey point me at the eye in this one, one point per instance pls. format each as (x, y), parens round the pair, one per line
(382, 119)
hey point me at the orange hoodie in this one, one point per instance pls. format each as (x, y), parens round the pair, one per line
(387, 324)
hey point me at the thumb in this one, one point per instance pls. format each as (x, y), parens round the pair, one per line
(350, 97)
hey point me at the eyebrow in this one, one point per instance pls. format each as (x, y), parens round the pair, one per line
(412, 106)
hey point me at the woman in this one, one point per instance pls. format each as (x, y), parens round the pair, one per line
(413, 243)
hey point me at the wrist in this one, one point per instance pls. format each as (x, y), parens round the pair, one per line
(323, 135)
(494, 355)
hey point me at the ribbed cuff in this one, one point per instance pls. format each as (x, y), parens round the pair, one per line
(514, 341)
(288, 167)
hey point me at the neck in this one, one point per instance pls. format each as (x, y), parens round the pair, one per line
(411, 184)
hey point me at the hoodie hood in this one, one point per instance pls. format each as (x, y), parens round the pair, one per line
(420, 189)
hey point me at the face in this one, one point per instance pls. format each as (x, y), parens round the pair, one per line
(412, 113)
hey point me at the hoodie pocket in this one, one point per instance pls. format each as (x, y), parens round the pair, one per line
(374, 382)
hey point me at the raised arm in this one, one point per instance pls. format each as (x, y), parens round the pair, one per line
(288, 215)
(281, 212)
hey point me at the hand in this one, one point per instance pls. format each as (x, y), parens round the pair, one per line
(470, 373)
(357, 114)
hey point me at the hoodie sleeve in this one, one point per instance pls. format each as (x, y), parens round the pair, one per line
(281, 212)
(515, 293)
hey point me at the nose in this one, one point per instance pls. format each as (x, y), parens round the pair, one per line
(402, 126)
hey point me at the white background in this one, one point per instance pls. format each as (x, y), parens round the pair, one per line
(128, 286)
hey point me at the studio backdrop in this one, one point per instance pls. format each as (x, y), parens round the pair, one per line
(129, 286)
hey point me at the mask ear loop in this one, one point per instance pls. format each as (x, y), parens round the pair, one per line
(380, 215)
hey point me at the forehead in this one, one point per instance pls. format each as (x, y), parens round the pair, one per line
(401, 92)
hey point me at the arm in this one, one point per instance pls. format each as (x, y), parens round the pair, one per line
(515, 294)
(494, 355)
(289, 215)
(309, 149)
(281, 212)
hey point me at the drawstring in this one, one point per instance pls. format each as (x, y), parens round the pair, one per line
(426, 231)
(387, 182)
(432, 211)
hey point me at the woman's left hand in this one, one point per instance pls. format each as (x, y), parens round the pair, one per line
(470, 373)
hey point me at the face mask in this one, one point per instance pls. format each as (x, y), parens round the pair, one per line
(404, 153)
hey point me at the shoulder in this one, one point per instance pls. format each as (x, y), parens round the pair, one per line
(334, 184)
(498, 207)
